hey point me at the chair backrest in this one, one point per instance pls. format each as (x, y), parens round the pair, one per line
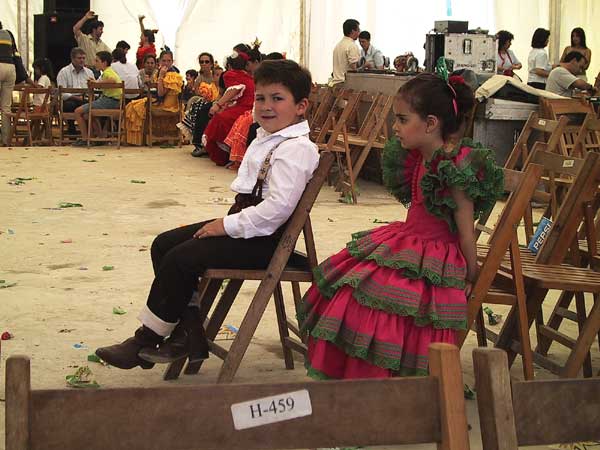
(588, 137)
(73, 91)
(257, 416)
(352, 100)
(524, 184)
(575, 110)
(45, 92)
(540, 412)
(96, 85)
(553, 129)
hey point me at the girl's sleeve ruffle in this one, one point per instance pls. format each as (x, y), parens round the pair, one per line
(470, 168)
(398, 166)
(173, 82)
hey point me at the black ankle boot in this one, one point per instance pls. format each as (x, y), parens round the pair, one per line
(187, 339)
(125, 354)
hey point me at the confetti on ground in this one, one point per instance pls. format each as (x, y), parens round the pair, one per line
(19, 180)
(5, 285)
(80, 346)
(493, 319)
(89, 160)
(100, 154)
(380, 221)
(118, 311)
(69, 205)
(66, 241)
(226, 333)
(469, 394)
(92, 357)
(66, 330)
(82, 378)
(138, 181)
(6, 336)
(107, 268)
(11, 231)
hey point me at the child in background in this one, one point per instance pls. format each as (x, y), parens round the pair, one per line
(42, 73)
(190, 85)
(246, 238)
(375, 307)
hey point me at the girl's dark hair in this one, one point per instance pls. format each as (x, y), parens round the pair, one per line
(165, 52)
(149, 34)
(273, 56)
(192, 73)
(118, 54)
(105, 57)
(287, 72)
(255, 54)
(428, 94)
(45, 66)
(237, 63)
(503, 37)
(539, 38)
(149, 56)
(579, 32)
(242, 48)
(212, 60)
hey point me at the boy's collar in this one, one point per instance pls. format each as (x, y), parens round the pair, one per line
(298, 129)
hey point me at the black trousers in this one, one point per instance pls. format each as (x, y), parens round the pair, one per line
(179, 260)
(202, 119)
(537, 85)
(70, 105)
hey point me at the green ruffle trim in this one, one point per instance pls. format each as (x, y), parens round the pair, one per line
(394, 162)
(320, 376)
(477, 175)
(379, 303)
(411, 270)
(364, 354)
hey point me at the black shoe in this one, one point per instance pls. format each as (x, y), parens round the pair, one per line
(186, 340)
(125, 354)
(199, 152)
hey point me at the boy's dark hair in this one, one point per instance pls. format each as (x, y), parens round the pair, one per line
(579, 32)
(105, 57)
(273, 56)
(149, 34)
(365, 35)
(349, 26)
(242, 48)
(539, 38)
(237, 63)
(123, 44)
(287, 72)
(503, 37)
(428, 94)
(118, 55)
(95, 24)
(574, 55)
(149, 56)
(45, 67)
(192, 73)
(255, 54)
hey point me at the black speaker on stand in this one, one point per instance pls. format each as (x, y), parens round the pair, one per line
(53, 31)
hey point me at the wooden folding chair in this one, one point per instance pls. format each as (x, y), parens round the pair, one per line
(154, 114)
(541, 412)
(24, 115)
(553, 129)
(547, 271)
(328, 114)
(317, 94)
(504, 238)
(321, 111)
(575, 110)
(113, 136)
(588, 137)
(242, 416)
(282, 268)
(64, 117)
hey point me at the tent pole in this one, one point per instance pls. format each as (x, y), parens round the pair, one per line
(555, 26)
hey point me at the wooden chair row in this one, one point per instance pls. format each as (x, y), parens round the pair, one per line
(25, 120)
(323, 414)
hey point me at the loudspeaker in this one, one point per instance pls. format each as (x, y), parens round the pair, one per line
(53, 37)
(78, 6)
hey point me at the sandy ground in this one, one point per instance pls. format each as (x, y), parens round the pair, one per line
(62, 295)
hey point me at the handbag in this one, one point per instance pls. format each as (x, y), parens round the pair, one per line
(21, 72)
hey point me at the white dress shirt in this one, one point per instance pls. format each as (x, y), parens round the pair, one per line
(68, 77)
(129, 74)
(293, 162)
(537, 59)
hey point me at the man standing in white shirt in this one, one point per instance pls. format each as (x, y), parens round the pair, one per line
(371, 58)
(345, 54)
(75, 75)
(562, 79)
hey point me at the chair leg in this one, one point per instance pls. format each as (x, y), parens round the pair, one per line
(581, 317)
(217, 318)
(208, 290)
(480, 329)
(282, 324)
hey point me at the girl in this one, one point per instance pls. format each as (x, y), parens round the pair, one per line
(146, 47)
(578, 44)
(377, 305)
(42, 73)
(279, 164)
(149, 74)
(537, 61)
(168, 84)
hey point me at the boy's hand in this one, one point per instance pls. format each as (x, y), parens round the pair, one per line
(211, 229)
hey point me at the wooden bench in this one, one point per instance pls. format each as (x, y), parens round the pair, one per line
(338, 413)
(540, 412)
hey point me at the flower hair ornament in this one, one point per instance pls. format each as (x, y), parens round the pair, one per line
(242, 55)
(441, 70)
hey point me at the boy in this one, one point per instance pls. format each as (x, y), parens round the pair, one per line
(110, 98)
(244, 239)
(190, 81)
